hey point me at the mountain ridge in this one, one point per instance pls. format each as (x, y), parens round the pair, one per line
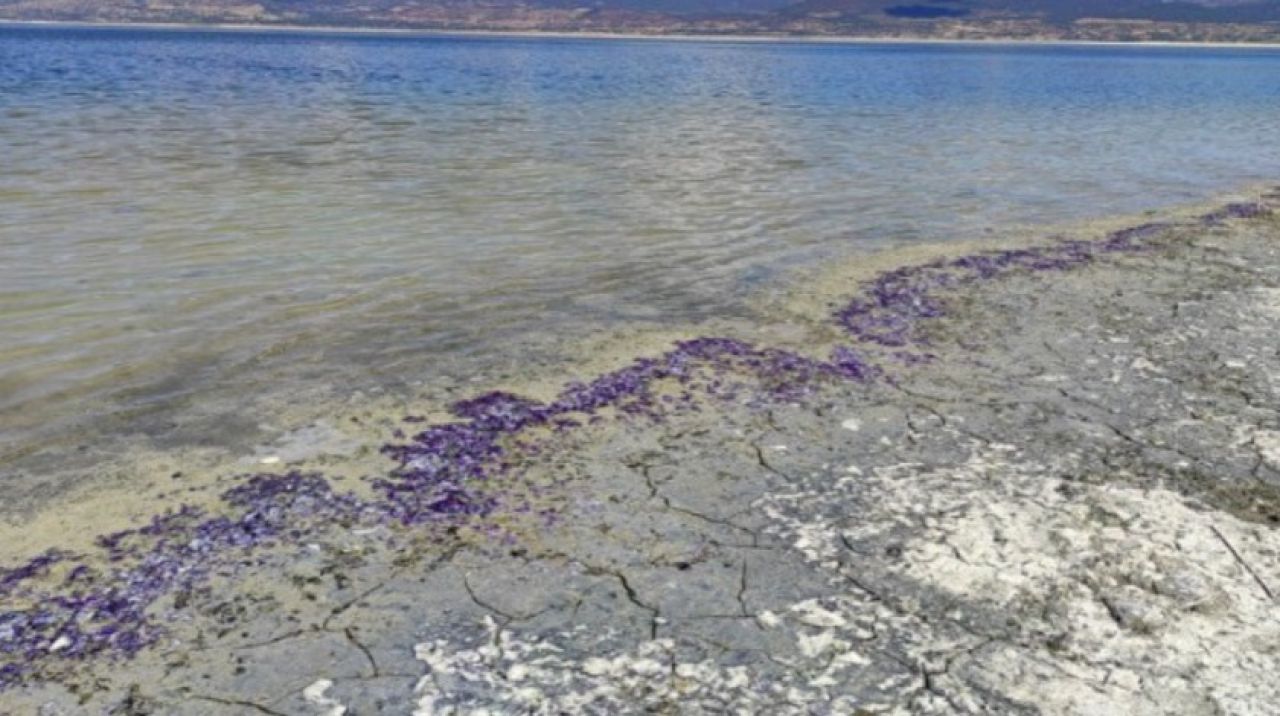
(1108, 20)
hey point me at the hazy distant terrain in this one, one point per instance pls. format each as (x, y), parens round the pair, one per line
(1225, 20)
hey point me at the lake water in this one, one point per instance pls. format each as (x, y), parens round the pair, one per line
(194, 218)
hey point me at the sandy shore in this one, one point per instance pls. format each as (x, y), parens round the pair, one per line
(1016, 481)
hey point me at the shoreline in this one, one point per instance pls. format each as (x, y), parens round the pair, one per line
(793, 318)
(763, 38)
(741, 484)
(793, 315)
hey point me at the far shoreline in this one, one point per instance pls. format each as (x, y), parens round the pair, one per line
(760, 38)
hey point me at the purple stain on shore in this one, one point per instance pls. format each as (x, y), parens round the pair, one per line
(37, 566)
(63, 608)
(104, 612)
(1240, 210)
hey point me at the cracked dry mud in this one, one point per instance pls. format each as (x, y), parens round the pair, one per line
(1074, 510)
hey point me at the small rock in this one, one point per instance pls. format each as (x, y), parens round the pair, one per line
(814, 614)
(812, 646)
(647, 667)
(1193, 590)
(768, 619)
(1134, 609)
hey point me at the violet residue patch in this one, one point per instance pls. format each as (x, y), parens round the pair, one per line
(61, 609)
(1240, 210)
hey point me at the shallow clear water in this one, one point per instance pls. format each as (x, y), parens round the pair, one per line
(192, 216)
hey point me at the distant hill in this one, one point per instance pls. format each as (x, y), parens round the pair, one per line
(1052, 11)
(1195, 20)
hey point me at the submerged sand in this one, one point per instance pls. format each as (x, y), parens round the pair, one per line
(1070, 507)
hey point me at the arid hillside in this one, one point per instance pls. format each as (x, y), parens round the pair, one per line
(1131, 20)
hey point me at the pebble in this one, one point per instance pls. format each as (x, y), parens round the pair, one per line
(768, 619)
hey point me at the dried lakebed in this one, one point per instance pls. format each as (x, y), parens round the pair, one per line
(1041, 480)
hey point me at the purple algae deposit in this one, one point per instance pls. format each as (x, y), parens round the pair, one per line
(61, 609)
